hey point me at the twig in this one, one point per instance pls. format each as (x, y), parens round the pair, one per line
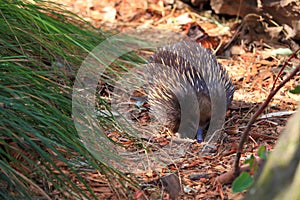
(284, 65)
(258, 112)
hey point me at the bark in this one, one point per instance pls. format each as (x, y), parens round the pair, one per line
(234, 7)
(280, 178)
(285, 13)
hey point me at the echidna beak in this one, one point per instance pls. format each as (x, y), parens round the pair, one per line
(200, 135)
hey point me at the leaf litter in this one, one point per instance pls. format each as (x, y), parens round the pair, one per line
(253, 71)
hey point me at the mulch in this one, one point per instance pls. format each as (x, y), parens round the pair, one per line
(253, 70)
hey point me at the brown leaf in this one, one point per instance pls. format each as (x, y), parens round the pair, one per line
(172, 185)
(140, 195)
(227, 177)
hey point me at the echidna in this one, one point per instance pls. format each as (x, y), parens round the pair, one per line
(186, 82)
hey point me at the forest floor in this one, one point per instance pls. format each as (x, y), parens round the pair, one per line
(252, 66)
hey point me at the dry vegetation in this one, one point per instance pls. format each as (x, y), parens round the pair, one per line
(252, 67)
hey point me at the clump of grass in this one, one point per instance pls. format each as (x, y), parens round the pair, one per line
(41, 48)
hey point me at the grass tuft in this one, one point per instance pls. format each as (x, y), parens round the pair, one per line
(41, 155)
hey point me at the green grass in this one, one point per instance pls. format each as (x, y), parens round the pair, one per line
(41, 49)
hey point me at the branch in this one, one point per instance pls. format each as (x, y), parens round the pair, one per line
(259, 111)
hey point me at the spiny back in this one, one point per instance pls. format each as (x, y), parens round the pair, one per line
(177, 65)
